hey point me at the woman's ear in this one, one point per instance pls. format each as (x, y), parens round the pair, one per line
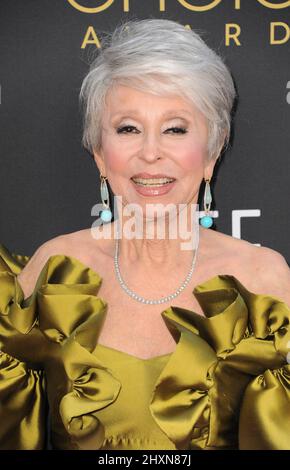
(99, 160)
(209, 167)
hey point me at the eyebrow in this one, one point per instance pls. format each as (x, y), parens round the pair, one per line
(169, 113)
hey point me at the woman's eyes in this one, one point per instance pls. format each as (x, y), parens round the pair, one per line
(134, 130)
(127, 129)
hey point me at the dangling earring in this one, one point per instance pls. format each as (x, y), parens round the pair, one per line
(207, 221)
(106, 214)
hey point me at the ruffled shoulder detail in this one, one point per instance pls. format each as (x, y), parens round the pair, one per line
(10, 261)
(58, 326)
(61, 274)
(22, 393)
(236, 357)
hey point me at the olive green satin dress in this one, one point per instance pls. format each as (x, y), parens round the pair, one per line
(225, 386)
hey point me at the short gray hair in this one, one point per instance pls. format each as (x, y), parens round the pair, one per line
(159, 56)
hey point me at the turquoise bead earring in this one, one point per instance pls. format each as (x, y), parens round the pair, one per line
(207, 221)
(106, 214)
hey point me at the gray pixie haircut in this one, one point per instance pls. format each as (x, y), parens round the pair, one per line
(161, 57)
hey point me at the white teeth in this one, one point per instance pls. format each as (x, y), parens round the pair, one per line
(152, 181)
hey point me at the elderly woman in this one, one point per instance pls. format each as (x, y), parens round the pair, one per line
(139, 342)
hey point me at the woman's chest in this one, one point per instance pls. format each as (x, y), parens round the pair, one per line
(140, 329)
(136, 328)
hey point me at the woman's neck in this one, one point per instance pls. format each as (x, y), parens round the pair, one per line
(157, 244)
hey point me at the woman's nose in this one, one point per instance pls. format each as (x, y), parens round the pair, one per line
(151, 149)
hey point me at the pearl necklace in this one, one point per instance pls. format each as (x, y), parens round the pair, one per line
(139, 298)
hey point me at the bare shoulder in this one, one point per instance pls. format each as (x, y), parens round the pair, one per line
(272, 273)
(79, 244)
(261, 269)
(229, 248)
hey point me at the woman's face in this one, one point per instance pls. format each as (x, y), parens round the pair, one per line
(146, 133)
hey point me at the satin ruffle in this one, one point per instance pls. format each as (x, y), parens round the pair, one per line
(234, 391)
(55, 329)
(226, 385)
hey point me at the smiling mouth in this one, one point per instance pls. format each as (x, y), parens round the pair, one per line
(152, 182)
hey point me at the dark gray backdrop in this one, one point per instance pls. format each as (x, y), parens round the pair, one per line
(49, 183)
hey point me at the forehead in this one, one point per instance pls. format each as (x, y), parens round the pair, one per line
(121, 98)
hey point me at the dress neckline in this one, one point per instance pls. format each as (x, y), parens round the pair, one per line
(131, 356)
(59, 268)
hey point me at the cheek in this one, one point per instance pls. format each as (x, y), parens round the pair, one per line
(116, 160)
(192, 158)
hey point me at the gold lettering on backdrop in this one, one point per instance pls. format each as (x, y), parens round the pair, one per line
(90, 38)
(232, 30)
(273, 26)
(188, 6)
(274, 6)
(83, 9)
(232, 34)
